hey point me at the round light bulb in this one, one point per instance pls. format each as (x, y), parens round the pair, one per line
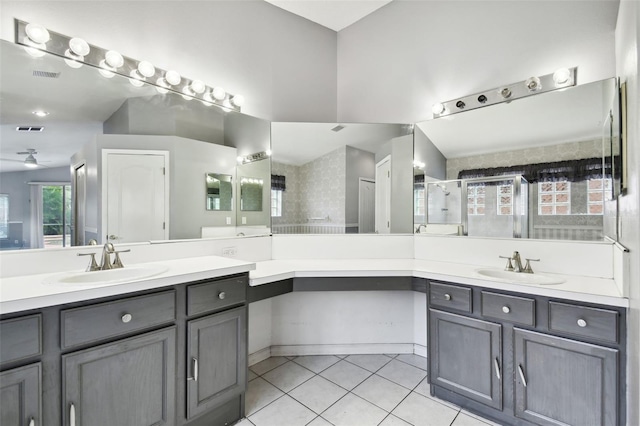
(135, 79)
(72, 59)
(197, 86)
(163, 86)
(79, 46)
(268, 152)
(114, 59)
(238, 100)
(533, 84)
(37, 33)
(40, 113)
(105, 73)
(505, 92)
(240, 160)
(561, 76)
(172, 77)
(146, 68)
(219, 93)
(35, 50)
(437, 109)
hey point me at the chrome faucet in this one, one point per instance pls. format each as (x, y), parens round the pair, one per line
(105, 262)
(417, 231)
(515, 257)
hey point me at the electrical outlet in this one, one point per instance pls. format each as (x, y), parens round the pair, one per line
(228, 220)
(244, 220)
(230, 251)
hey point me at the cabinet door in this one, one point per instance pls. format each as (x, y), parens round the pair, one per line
(130, 382)
(465, 356)
(20, 401)
(564, 382)
(216, 359)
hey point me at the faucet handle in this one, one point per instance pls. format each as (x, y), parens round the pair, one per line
(509, 266)
(93, 265)
(527, 265)
(117, 262)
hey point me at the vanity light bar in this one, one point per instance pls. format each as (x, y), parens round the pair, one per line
(564, 77)
(254, 157)
(76, 52)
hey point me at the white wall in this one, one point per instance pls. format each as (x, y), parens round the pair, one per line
(397, 62)
(285, 66)
(627, 56)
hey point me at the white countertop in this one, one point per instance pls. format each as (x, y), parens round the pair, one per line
(38, 291)
(578, 288)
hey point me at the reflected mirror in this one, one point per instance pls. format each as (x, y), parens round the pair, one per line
(219, 194)
(251, 194)
(341, 178)
(555, 141)
(114, 150)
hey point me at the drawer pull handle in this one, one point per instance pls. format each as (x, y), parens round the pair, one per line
(32, 422)
(582, 323)
(497, 367)
(222, 295)
(506, 309)
(447, 296)
(524, 381)
(126, 318)
(72, 415)
(194, 367)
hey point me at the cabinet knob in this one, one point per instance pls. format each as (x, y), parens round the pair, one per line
(582, 323)
(222, 295)
(447, 296)
(127, 318)
(506, 309)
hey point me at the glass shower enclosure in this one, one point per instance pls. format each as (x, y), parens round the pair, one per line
(495, 206)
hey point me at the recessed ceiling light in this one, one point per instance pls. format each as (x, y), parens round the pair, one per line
(40, 113)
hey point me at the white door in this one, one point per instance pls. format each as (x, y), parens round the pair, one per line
(136, 196)
(366, 206)
(383, 196)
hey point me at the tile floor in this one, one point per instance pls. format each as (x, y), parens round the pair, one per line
(353, 390)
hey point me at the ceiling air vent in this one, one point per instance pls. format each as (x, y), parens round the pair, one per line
(337, 128)
(46, 74)
(29, 128)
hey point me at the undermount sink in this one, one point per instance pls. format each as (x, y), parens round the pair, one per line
(110, 276)
(519, 277)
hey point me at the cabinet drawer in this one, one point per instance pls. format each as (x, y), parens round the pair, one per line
(97, 322)
(21, 338)
(215, 295)
(450, 296)
(516, 310)
(600, 324)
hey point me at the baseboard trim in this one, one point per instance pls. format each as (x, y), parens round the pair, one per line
(420, 350)
(260, 355)
(342, 349)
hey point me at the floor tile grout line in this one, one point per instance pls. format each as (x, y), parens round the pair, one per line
(374, 372)
(454, 419)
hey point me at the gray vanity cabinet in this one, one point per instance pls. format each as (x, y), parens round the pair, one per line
(523, 359)
(217, 360)
(130, 382)
(564, 382)
(473, 373)
(20, 396)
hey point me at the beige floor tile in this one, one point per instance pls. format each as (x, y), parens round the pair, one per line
(421, 411)
(372, 363)
(268, 364)
(346, 374)
(317, 363)
(283, 412)
(381, 392)
(423, 388)
(352, 410)
(392, 420)
(415, 360)
(288, 376)
(319, 421)
(260, 393)
(318, 393)
(402, 374)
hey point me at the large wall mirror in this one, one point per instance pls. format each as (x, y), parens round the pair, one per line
(341, 178)
(106, 149)
(562, 143)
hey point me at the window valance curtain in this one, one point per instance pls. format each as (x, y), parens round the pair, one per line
(570, 170)
(278, 182)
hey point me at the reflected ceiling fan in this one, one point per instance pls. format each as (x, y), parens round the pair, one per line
(29, 161)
